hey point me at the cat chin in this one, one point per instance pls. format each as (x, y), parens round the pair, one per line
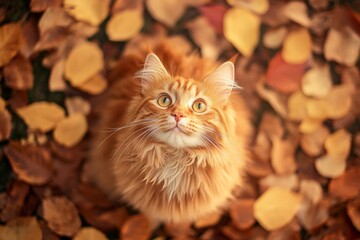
(177, 139)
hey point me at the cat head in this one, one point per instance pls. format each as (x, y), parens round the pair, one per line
(185, 112)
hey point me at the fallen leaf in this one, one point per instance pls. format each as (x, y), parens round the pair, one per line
(77, 67)
(319, 4)
(313, 216)
(56, 81)
(259, 7)
(353, 211)
(241, 213)
(208, 220)
(282, 156)
(313, 143)
(297, 12)
(276, 100)
(2, 104)
(297, 47)
(215, 15)
(275, 16)
(5, 126)
(309, 125)
(181, 230)
(118, 27)
(30, 32)
(338, 144)
(15, 198)
(317, 82)
(282, 76)
(52, 39)
(330, 166)
(311, 190)
(338, 102)
(273, 38)
(137, 227)
(95, 85)
(42, 115)
(289, 181)
(89, 233)
(42, 5)
(297, 106)
(83, 29)
(32, 164)
(167, 12)
(18, 73)
(52, 18)
(61, 216)
(90, 11)
(21, 228)
(281, 201)
(71, 130)
(342, 46)
(10, 42)
(346, 186)
(284, 233)
(244, 37)
(77, 104)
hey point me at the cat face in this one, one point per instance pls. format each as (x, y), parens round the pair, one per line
(183, 112)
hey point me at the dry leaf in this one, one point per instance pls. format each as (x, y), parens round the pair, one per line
(290, 181)
(274, 38)
(319, 4)
(275, 16)
(2, 104)
(297, 12)
(215, 15)
(18, 73)
(312, 216)
(338, 102)
(342, 46)
(167, 12)
(118, 27)
(244, 37)
(83, 29)
(284, 233)
(52, 18)
(330, 166)
(77, 104)
(338, 144)
(282, 76)
(353, 210)
(20, 229)
(276, 207)
(5, 120)
(78, 68)
(42, 5)
(311, 190)
(313, 143)
(30, 32)
(241, 212)
(14, 200)
(297, 47)
(71, 130)
(42, 115)
(56, 81)
(95, 85)
(61, 216)
(297, 106)
(10, 42)
(32, 164)
(137, 227)
(89, 233)
(259, 6)
(317, 82)
(276, 100)
(90, 11)
(309, 125)
(282, 156)
(346, 186)
(208, 220)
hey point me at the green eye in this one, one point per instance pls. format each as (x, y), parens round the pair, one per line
(199, 106)
(164, 100)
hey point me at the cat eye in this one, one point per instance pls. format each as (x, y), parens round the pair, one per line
(199, 106)
(164, 100)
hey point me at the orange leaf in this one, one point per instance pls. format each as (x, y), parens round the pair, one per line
(10, 42)
(137, 227)
(18, 73)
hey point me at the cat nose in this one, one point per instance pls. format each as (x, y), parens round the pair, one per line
(177, 116)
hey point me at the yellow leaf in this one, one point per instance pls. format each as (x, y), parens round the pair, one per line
(338, 144)
(317, 82)
(258, 6)
(329, 166)
(91, 11)
(41, 115)
(297, 47)
(167, 12)
(208, 220)
(241, 28)
(95, 85)
(89, 233)
(118, 27)
(71, 130)
(10, 41)
(309, 125)
(316, 108)
(313, 143)
(276, 207)
(83, 62)
(297, 106)
(338, 101)
(297, 12)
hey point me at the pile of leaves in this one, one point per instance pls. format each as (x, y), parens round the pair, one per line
(298, 62)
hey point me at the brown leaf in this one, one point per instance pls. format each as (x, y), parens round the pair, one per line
(30, 32)
(353, 210)
(61, 216)
(312, 215)
(77, 104)
(42, 5)
(241, 212)
(21, 228)
(313, 143)
(290, 181)
(282, 155)
(208, 220)
(297, 12)
(5, 126)
(214, 14)
(167, 12)
(32, 164)
(89, 233)
(319, 4)
(56, 81)
(54, 17)
(18, 73)
(10, 42)
(311, 190)
(47, 233)
(275, 15)
(274, 38)
(137, 227)
(346, 186)
(181, 230)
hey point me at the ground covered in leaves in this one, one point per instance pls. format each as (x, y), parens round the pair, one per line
(298, 62)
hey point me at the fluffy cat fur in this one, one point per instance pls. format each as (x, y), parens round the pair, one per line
(171, 173)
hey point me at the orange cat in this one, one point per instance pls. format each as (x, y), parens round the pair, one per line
(178, 146)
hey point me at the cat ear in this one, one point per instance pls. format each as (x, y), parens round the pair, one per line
(223, 80)
(153, 68)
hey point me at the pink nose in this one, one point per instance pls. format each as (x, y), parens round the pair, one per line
(177, 116)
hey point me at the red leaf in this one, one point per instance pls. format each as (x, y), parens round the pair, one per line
(214, 14)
